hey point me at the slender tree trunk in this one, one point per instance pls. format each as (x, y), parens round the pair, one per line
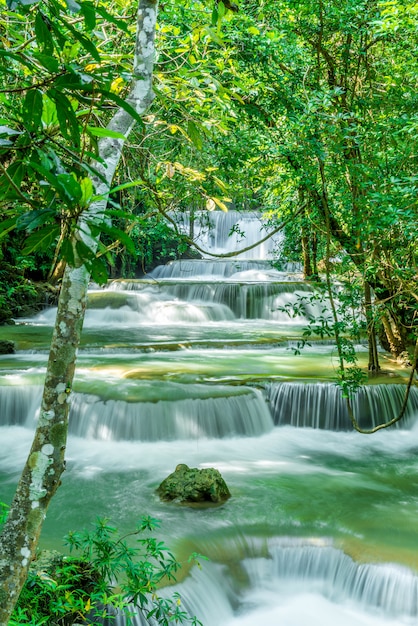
(315, 275)
(45, 464)
(373, 366)
(192, 220)
(306, 255)
(305, 239)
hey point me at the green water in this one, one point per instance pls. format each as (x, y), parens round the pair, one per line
(360, 492)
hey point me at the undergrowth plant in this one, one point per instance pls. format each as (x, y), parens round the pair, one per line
(106, 574)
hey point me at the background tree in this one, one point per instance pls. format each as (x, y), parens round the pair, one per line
(328, 89)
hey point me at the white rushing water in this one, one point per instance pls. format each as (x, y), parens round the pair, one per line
(195, 368)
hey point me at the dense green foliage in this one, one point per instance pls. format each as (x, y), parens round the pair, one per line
(304, 110)
(108, 573)
(276, 106)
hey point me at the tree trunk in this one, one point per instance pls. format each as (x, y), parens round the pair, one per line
(373, 366)
(306, 256)
(394, 338)
(315, 274)
(45, 464)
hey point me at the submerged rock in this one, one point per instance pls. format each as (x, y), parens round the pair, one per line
(192, 485)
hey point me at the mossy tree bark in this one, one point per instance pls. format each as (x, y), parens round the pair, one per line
(46, 461)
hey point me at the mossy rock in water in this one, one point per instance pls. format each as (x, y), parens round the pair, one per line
(7, 347)
(191, 485)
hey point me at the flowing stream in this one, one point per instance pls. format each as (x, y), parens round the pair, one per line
(194, 364)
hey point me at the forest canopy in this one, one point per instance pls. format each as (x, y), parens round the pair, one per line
(272, 106)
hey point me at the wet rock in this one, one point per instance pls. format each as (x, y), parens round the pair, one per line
(192, 485)
(7, 347)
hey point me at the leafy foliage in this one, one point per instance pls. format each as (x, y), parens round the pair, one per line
(57, 93)
(112, 572)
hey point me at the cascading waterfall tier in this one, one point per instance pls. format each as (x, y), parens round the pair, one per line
(239, 414)
(232, 300)
(321, 405)
(219, 232)
(305, 569)
(220, 269)
(18, 404)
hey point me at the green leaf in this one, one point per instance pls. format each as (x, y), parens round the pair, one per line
(67, 119)
(96, 267)
(49, 111)
(61, 38)
(70, 187)
(133, 183)
(215, 15)
(42, 239)
(17, 57)
(7, 225)
(88, 11)
(221, 9)
(44, 172)
(117, 234)
(32, 109)
(83, 251)
(71, 51)
(194, 135)
(98, 131)
(64, 83)
(214, 36)
(122, 25)
(49, 62)
(65, 185)
(87, 191)
(67, 252)
(43, 34)
(34, 219)
(85, 41)
(119, 214)
(15, 172)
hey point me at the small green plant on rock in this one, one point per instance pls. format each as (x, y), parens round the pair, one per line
(110, 574)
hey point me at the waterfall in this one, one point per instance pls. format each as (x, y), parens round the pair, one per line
(218, 269)
(221, 232)
(295, 572)
(321, 405)
(244, 415)
(244, 300)
(240, 414)
(214, 268)
(169, 371)
(18, 403)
